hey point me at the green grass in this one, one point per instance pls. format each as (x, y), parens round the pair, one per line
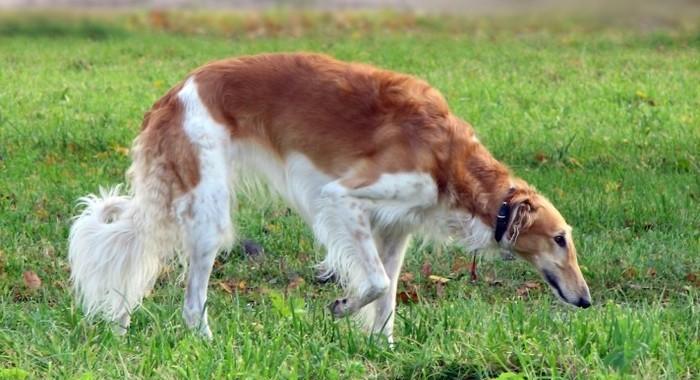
(603, 120)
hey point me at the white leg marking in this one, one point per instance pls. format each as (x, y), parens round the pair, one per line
(204, 213)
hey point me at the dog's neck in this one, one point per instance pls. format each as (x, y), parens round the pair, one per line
(477, 183)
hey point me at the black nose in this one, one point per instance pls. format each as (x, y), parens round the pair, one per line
(583, 302)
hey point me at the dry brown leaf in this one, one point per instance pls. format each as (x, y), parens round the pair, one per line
(440, 289)
(693, 278)
(525, 288)
(31, 280)
(226, 287)
(406, 277)
(651, 272)
(531, 285)
(629, 272)
(460, 265)
(295, 283)
(426, 270)
(231, 285)
(408, 296)
(540, 157)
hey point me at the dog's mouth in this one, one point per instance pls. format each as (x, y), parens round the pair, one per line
(553, 281)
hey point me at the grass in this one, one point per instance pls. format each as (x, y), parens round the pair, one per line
(603, 120)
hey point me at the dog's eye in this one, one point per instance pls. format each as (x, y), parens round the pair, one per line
(560, 240)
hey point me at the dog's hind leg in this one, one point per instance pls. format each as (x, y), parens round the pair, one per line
(207, 228)
(204, 212)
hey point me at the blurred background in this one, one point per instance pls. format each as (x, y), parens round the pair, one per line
(649, 13)
(293, 18)
(467, 6)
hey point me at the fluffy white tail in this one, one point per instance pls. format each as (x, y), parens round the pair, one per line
(116, 250)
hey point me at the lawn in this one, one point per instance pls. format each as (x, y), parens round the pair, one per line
(604, 120)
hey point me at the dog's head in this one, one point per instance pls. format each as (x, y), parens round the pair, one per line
(540, 235)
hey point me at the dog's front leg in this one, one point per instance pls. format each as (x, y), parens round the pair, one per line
(342, 225)
(392, 248)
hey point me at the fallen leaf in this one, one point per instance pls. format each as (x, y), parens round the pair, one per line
(693, 278)
(629, 272)
(540, 157)
(525, 288)
(124, 151)
(40, 211)
(31, 280)
(295, 283)
(303, 257)
(226, 287)
(407, 296)
(438, 279)
(406, 277)
(440, 289)
(651, 272)
(50, 159)
(460, 265)
(231, 285)
(426, 270)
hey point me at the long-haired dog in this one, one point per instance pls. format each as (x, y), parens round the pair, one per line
(366, 156)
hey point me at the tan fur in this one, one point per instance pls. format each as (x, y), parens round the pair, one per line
(163, 139)
(353, 121)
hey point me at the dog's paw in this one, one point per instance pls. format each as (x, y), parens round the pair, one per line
(340, 307)
(205, 333)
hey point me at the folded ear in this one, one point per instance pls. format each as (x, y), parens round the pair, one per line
(523, 214)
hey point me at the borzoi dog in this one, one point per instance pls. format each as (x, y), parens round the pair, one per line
(367, 157)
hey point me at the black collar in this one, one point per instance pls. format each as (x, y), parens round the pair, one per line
(503, 217)
(502, 221)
